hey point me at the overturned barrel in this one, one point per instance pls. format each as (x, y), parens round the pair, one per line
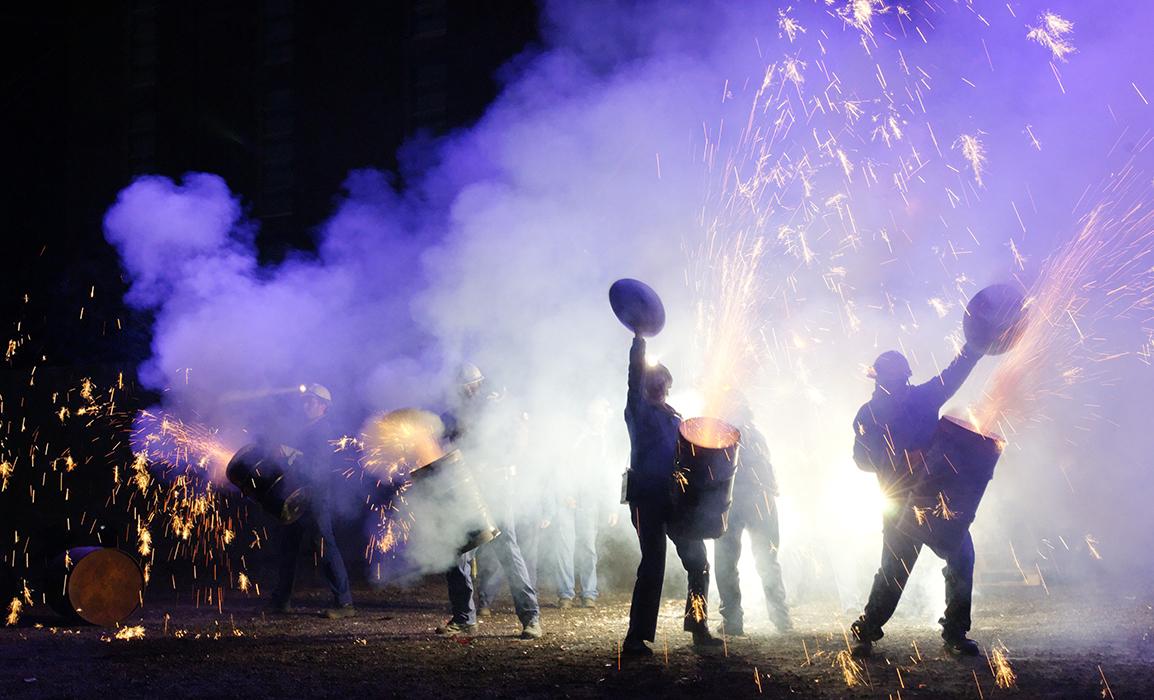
(260, 471)
(98, 585)
(958, 466)
(637, 306)
(702, 485)
(445, 496)
(995, 319)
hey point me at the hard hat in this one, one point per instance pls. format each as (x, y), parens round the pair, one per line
(470, 374)
(890, 365)
(318, 391)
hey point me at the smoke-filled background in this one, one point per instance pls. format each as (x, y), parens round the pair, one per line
(806, 186)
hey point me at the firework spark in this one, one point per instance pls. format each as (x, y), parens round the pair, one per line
(1053, 32)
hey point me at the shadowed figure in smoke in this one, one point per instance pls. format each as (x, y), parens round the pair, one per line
(754, 510)
(578, 506)
(892, 431)
(315, 465)
(458, 424)
(653, 430)
(516, 506)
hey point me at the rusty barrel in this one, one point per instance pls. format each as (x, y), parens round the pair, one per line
(958, 466)
(99, 585)
(702, 485)
(447, 489)
(260, 471)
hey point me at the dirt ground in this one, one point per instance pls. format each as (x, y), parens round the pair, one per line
(1057, 645)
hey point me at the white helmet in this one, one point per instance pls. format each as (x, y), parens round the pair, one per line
(469, 374)
(317, 391)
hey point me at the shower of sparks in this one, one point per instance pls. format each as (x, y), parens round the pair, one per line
(1004, 676)
(974, 153)
(129, 633)
(14, 610)
(789, 25)
(1052, 33)
(696, 610)
(851, 670)
(1104, 273)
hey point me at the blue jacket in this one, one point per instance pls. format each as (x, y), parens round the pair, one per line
(653, 431)
(891, 430)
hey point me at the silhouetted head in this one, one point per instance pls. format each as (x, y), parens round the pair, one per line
(891, 370)
(658, 381)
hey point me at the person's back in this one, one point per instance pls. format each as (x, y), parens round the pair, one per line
(899, 420)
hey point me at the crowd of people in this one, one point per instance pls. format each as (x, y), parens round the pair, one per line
(891, 434)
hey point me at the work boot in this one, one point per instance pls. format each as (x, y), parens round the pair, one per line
(961, 645)
(731, 629)
(564, 603)
(341, 612)
(635, 647)
(862, 649)
(864, 635)
(588, 602)
(532, 629)
(456, 629)
(702, 639)
(782, 622)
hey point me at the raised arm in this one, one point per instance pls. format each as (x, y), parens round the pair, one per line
(946, 384)
(636, 372)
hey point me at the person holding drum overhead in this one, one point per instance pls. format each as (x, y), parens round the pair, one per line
(892, 433)
(653, 431)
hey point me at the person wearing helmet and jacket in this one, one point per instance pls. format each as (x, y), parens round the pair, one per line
(315, 467)
(653, 431)
(754, 510)
(459, 426)
(891, 431)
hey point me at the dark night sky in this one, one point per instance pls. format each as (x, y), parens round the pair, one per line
(281, 98)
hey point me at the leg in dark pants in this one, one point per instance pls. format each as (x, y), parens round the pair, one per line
(959, 574)
(460, 580)
(726, 552)
(290, 547)
(649, 522)
(899, 554)
(317, 524)
(332, 564)
(765, 535)
(696, 562)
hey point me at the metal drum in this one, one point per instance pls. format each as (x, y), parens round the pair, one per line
(958, 466)
(260, 472)
(446, 486)
(99, 585)
(637, 306)
(995, 319)
(702, 486)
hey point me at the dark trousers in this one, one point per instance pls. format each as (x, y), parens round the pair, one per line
(317, 524)
(760, 519)
(650, 521)
(508, 554)
(900, 552)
